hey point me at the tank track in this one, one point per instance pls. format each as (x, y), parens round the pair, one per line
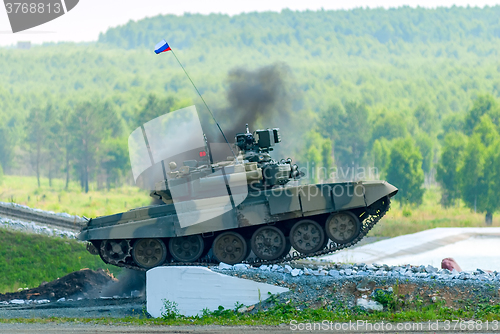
(332, 247)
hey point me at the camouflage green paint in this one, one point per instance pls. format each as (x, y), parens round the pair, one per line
(272, 205)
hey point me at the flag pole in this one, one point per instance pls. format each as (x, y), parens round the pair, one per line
(206, 105)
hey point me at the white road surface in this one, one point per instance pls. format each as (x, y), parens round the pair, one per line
(472, 248)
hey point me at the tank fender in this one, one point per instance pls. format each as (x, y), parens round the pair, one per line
(148, 228)
(377, 190)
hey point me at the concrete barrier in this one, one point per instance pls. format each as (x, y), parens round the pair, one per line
(194, 289)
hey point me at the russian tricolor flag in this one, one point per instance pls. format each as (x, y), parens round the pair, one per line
(162, 47)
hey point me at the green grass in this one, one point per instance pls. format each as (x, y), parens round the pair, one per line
(286, 312)
(26, 260)
(24, 190)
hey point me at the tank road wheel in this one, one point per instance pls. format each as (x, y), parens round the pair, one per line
(307, 236)
(149, 253)
(186, 249)
(342, 227)
(230, 248)
(114, 251)
(288, 247)
(268, 243)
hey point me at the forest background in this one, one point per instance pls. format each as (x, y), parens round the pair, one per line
(411, 91)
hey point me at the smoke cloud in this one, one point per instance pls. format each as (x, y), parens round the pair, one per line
(256, 94)
(260, 98)
(129, 280)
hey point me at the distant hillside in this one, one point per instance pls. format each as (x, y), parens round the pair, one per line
(342, 76)
(289, 28)
(392, 58)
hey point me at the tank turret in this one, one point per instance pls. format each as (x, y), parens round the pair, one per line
(256, 147)
(253, 159)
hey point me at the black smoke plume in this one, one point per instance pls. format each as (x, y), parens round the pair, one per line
(258, 98)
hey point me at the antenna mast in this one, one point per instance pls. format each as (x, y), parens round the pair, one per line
(163, 47)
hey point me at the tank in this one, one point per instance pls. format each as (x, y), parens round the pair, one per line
(246, 207)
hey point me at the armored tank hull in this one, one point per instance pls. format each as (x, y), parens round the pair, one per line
(223, 210)
(268, 223)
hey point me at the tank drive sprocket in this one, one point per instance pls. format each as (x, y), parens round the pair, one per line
(115, 251)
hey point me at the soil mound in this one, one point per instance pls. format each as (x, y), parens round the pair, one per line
(84, 283)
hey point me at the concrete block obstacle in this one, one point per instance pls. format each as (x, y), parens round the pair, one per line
(194, 289)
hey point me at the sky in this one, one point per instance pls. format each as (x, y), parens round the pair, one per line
(90, 17)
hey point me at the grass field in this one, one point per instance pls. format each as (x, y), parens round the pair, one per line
(24, 190)
(26, 260)
(430, 214)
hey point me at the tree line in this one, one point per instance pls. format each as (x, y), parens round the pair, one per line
(403, 24)
(86, 142)
(469, 168)
(467, 163)
(403, 90)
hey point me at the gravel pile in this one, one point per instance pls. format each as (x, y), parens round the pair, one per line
(311, 286)
(364, 270)
(58, 214)
(357, 285)
(32, 227)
